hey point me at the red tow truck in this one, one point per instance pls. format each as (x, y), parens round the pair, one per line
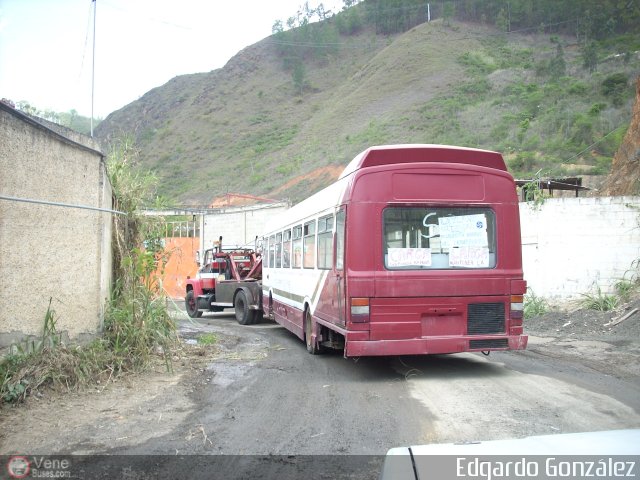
(227, 279)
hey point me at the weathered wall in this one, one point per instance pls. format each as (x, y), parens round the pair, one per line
(572, 245)
(51, 251)
(238, 226)
(180, 265)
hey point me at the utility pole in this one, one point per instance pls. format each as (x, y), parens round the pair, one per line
(93, 65)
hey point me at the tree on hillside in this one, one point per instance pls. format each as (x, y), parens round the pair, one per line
(277, 27)
(558, 65)
(614, 87)
(395, 16)
(502, 21)
(299, 76)
(349, 22)
(448, 12)
(322, 13)
(26, 107)
(588, 19)
(590, 56)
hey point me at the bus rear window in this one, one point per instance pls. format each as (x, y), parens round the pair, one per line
(439, 238)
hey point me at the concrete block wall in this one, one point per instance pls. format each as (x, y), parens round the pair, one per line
(50, 251)
(571, 246)
(238, 226)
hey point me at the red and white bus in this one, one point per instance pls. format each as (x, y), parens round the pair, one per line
(415, 249)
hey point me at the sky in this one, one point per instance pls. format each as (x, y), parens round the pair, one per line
(46, 46)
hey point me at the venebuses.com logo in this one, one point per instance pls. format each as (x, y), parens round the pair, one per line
(18, 467)
(21, 466)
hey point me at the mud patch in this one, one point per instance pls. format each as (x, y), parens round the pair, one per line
(127, 412)
(224, 374)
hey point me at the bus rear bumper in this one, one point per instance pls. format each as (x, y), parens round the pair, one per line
(434, 345)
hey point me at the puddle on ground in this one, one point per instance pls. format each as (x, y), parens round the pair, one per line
(227, 373)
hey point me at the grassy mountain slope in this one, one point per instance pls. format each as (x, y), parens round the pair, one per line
(248, 128)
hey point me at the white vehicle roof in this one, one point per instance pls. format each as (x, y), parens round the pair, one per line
(409, 463)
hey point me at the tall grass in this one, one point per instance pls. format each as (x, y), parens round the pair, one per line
(599, 301)
(137, 323)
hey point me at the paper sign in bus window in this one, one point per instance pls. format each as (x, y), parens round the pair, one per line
(463, 231)
(470, 257)
(409, 257)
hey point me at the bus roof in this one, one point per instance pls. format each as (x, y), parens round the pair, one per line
(393, 154)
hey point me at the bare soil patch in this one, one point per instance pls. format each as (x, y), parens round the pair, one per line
(605, 341)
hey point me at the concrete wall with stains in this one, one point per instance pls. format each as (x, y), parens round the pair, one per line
(51, 252)
(238, 226)
(572, 246)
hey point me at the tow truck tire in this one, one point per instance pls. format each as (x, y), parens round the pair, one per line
(191, 304)
(244, 314)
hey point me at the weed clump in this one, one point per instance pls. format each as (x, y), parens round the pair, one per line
(599, 301)
(534, 306)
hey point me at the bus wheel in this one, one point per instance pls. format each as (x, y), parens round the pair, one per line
(312, 346)
(191, 304)
(244, 315)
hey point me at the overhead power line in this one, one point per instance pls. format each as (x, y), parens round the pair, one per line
(593, 144)
(60, 204)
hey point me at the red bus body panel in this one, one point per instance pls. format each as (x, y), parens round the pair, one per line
(425, 311)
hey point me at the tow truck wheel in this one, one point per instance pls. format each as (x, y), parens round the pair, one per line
(312, 346)
(191, 304)
(244, 314)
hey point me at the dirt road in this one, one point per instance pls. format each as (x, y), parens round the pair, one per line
(257, 391)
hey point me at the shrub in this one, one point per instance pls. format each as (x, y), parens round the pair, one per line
(577, 88)
(599, 301)
(614, 86)
(534, 306)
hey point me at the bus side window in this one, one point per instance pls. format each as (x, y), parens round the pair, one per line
(325, 240)
(265, 251)
(286, 249)
(297, 246)
(272, 251)
(278, 250)
(340, 239)
(309, 244)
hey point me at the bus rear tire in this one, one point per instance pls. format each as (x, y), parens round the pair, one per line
(312, 346)
(244, 315)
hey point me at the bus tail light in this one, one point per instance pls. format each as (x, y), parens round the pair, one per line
(517, 310)
(359, 310)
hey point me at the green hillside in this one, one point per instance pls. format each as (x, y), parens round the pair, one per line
(318, 94)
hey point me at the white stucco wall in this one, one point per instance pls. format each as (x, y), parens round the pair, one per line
(570, 246)
(238, 226)
(51, 251)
